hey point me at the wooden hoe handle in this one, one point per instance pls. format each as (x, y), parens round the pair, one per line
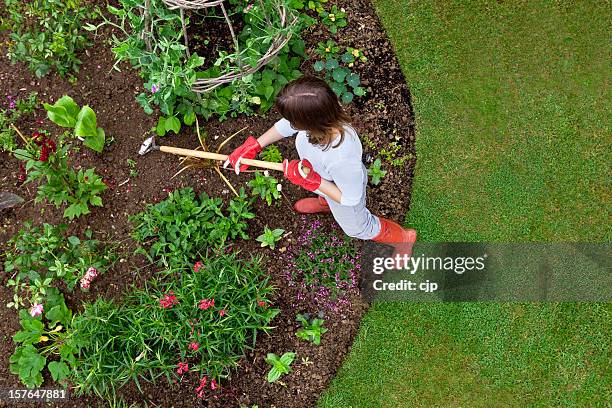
(220, 157)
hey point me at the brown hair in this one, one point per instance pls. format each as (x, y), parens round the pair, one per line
(309, 104)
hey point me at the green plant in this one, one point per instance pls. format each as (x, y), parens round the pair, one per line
(183, 225)
(272, 154)
(280, 365)
(39, 339)
(170, 72)
(312, 329)
(339, 77)
(334, 19)
(352, 56)
(17, 108)
(66, 113)
(327, 49)
(37, 257)
(206, 316)
(60, 184)
(47, 34)
(265, 186)
(132, 165)
(270, 237)
(376, 172)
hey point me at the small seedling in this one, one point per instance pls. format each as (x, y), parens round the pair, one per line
(280, 365)
(311, 329)
(306, 361)
(272, 154)
(352, 56)
(376, 172)
(270, 237)
(132, 165)
(327, 49)
(334, 19)
(265, 187)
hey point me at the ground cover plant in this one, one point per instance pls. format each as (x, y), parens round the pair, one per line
(145, 208)
(15, 109)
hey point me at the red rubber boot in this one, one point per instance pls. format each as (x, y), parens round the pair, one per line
(312, 206)
(398, 237)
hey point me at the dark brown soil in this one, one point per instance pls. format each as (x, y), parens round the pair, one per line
(384, 113)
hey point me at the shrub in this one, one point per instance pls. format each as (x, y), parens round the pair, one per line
(203, 318)
(323, 267)
(183, 225)
(47, 34)
(37, 257)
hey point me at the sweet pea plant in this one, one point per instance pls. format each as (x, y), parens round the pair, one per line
(323, 267)
(47, 162)
(197, 323)
(38, 257)
(47, 34)
(170, 71)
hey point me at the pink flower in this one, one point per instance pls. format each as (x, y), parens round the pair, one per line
(182, 368)
(213, 385)
(168, 300)
(206, 303)
(261, 303)
(89, 276)
(222, 312)
(198, 265)
(36, 310)
(194, 346)
(200, 390)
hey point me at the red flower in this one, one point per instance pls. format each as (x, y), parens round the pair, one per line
(222, 312)
(200, 390)
(198, 265)
(168, 300)
(22, 173)
(194, 346)
(206, 303)
(213, 385)
(261, 303)
(182, 368)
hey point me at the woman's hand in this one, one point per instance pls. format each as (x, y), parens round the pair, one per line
(301, 173)
(248, 150)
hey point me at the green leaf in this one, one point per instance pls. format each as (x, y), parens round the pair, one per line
(59, 370)
(96, 142)
(353, 80)
(96, 200)
(287, 358)
(273, 375)
(30, 365)
(172, 124)
(340, 74)
(332, 64)
(86, 124)
(161, 126)
(74, 241)
(347, 97)
(63, 112)
(319, 66)
(189, 118)
(359, 91)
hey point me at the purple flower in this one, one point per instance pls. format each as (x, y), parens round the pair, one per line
(154, 88)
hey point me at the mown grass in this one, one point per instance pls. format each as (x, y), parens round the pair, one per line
(512, 110)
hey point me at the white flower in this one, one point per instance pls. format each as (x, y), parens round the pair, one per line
(36, 310)
(266, 173)
(279, 187)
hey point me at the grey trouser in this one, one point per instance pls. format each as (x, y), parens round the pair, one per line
(356, 221)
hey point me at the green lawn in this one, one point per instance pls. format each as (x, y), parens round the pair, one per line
(512, 111)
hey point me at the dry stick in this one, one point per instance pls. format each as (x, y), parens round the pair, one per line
(185, 31)
(228, 139)
(226, 181)
(19, 133)
(147, 18)
(231, 27)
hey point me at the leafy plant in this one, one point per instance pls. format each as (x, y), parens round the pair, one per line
(265, 186)
(17, 108)
(60, 184)
(327, 49)
(206, 317)
(352, 56)
(66, 113)
(183, 225)
(334, 19)
(344, 82)
(272, 154)
(47, 342)
(132, 165)
(312, 329)
(170, 72)
(280, 365)
(37, 257)
(376, 172)
(47, 34)
(270, 237)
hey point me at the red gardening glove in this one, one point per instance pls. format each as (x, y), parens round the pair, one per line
(248, 150)
(306, 178)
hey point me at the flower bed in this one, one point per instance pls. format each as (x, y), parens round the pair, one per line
(143, 300)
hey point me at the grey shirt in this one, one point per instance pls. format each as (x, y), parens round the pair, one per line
(341, 164)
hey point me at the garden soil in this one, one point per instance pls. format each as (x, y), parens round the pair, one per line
(383, 116)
